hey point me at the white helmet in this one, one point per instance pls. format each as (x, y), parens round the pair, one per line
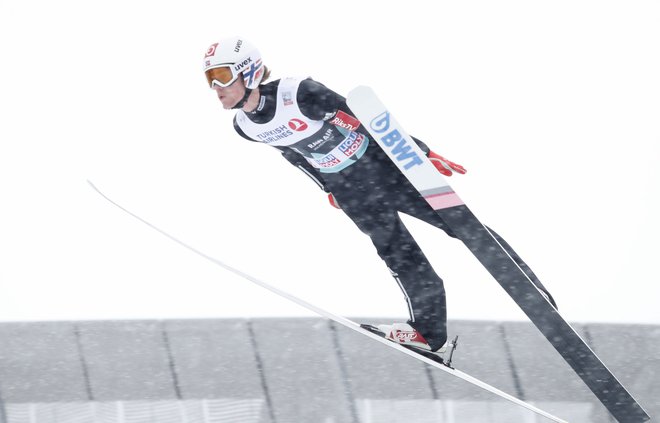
(230, 58)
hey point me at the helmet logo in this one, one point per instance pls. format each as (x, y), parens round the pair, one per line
(239, 66)
(239, 43)
(253, 73)
(211, 51)
(297, 125)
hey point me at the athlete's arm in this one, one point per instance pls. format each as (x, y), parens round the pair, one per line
(318, 102)
(240, 131)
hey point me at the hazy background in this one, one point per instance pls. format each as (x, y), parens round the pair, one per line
(553, 107)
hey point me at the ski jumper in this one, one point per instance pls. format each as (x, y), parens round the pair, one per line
(315, 130)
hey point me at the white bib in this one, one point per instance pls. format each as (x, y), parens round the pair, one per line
(288, 126)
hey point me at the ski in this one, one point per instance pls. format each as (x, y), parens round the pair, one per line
(421, 173)
(434, 362)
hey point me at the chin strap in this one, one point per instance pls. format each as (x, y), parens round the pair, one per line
(242, 102)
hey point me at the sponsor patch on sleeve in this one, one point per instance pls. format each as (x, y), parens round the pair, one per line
(346, 121)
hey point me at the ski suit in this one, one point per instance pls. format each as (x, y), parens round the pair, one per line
(316, 131)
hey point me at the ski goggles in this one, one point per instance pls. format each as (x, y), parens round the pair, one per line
(222, 76)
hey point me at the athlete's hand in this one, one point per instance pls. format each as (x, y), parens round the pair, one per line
(444, 166)
(333, 201)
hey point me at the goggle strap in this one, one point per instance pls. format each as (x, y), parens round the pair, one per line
(242, 102)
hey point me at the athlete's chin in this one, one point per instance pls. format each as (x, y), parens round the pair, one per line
(228, 104)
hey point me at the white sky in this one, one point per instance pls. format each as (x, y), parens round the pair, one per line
(553, 107)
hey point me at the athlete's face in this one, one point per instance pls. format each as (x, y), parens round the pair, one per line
(231, 95)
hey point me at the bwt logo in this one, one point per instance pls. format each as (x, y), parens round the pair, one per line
(399, 147)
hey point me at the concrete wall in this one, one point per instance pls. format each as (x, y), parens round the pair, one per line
(301, 370)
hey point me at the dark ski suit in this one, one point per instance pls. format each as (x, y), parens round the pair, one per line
(367, 185)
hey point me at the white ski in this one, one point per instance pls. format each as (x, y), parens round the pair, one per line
(523, 287)
(339, 319)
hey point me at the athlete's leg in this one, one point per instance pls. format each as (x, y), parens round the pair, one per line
(423, 289)
(420, 209)
(523, 266)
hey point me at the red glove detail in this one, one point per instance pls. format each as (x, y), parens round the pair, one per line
(444, 166)
(333, 201)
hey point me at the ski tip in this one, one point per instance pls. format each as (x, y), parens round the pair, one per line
(91, 184)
